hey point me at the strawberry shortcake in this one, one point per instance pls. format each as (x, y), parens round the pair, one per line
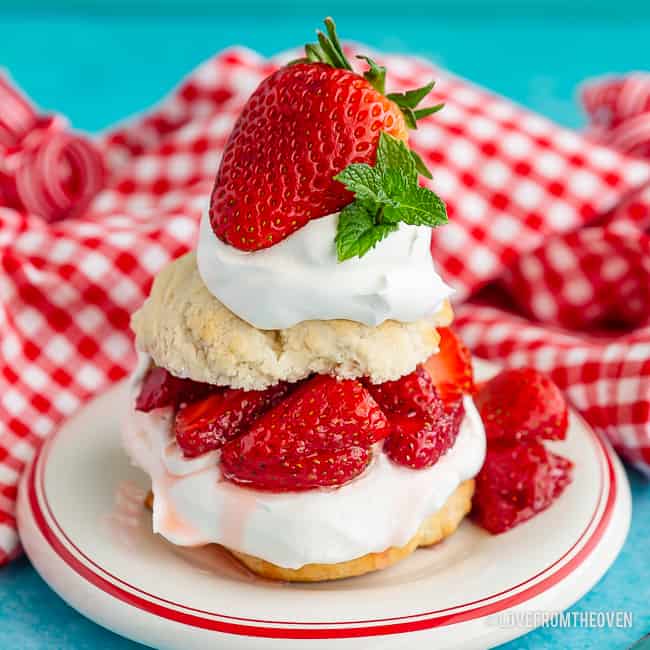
(300, 399)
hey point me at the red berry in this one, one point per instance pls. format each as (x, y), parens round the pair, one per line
(412, 394)
(327, 469)
(160, 388)
(322, 415)
(418, 442)
(522, 404)
(451, 369)
(207, 425)
(302, 126)
(517, 481)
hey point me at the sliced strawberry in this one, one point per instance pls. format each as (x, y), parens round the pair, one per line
(413, 394)
(327, 469)
(451, 369)
(522, 403)
(161, 388)
(518, 480)
(207, 425)
(323, 413)
(418, 442)
(317, 436)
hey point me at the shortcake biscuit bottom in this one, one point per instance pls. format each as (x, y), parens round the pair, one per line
(434, 529)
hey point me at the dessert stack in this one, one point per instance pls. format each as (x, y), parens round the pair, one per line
(300, 398)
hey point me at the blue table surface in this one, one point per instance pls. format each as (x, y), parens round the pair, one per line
(98, 66)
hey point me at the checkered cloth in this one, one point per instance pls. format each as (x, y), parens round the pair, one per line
(547, 247)
(44, 169)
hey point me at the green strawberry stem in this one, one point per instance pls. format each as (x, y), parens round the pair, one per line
(328, 50)
(376, 75)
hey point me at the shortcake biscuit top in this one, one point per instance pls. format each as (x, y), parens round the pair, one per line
(186, 330)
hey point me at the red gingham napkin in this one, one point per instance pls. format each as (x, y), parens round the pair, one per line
(44, 168)
(548, 242)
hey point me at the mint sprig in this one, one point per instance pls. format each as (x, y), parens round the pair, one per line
(358, 232)
(385, 195)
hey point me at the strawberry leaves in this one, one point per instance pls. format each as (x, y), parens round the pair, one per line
(408, 102)
(385, 195)
(328, 50)
(375, 75)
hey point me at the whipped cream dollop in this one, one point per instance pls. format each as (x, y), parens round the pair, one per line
(385, 506)
(300, 278)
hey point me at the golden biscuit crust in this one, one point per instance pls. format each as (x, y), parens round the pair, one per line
(186, 330)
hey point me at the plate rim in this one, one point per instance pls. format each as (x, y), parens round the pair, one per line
(36, 499)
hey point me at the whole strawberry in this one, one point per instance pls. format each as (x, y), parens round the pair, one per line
(304, 126)
(522, 403)
(520, 408)
(517, 481)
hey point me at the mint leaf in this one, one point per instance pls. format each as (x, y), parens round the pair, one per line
(363, 180)
(370, 238)
(354, 221)
(394, 154)
(385, 196)
(418, 207)
(396, 183)
(357, 231)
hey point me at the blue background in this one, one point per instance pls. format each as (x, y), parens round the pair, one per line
(97, 62)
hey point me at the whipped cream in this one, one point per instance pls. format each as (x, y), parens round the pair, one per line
(385, 506)
(300, 278)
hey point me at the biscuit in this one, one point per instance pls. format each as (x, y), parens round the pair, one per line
(186, 330)
(434, 529)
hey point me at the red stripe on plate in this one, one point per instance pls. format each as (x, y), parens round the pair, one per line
(435, 619)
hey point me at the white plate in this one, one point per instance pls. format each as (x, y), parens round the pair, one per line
(86, 531)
